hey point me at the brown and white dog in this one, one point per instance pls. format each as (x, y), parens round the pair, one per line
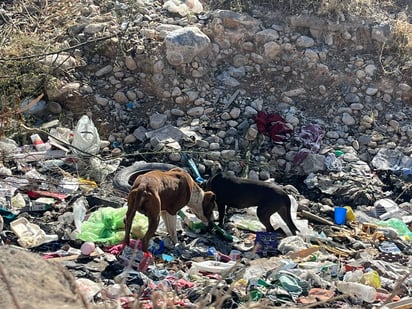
(163, 193)
(235, 192)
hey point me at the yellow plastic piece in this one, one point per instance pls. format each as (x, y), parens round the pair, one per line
(350, 215)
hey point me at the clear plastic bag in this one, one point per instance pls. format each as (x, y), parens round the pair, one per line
(86, 137)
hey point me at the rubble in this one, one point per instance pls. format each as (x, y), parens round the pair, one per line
(334, 133)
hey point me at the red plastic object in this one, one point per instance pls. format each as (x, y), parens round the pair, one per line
(145, 262)
(349, 267)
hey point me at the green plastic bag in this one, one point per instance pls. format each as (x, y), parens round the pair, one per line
(106, 226)
(401, 228)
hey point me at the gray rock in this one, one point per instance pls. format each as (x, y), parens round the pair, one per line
(157, 121)
(352, 98)
(266, 35)
(348, 120)
(120, 97)
(305, 41)
(371, 91)
(370, 69)
(271, 50)
(183, 45)
(196, 111)
(94, 28)
(313, 163)
(103, 71)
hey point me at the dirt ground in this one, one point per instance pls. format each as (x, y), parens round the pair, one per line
(28, 281)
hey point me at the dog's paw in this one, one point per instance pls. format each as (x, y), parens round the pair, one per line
(169, 243)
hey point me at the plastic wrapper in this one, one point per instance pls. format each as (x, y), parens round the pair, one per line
(399, 226)
(86, 137)
(106, 226)
(371, 278)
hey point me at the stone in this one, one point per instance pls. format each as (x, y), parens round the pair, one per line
(370, 69)
(130, 63)
(295, 92)
(405, 87)
(130, 139)
(266, 35)
(251, 134)
(157, 120)
(183, 8)
(100, 100)
(94, 28)
(196, 111)
(271, 50)
(235, 113)
(305, 41)
(183, 45)
(120, 97)
(348, 119)
(311, 55)
(313, 163)
(103, 71)
(54, 108)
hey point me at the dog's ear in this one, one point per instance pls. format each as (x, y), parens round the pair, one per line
(216, 169)
(209, 204)
(203, 185)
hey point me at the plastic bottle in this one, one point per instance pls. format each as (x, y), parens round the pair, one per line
(79, 212)
(362, 291)
(353, 276)
(217, 230)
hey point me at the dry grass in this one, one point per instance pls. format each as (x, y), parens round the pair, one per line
(402, 38)
(396, 55)
(28, 30)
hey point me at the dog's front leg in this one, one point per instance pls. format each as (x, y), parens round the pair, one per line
(221, 207)
(170, 222)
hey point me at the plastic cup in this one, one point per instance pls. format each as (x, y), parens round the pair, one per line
(235, 255)
(340, 215)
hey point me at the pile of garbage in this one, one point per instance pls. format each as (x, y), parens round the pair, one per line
(55, 204)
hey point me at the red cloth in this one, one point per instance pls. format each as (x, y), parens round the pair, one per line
(272, 125)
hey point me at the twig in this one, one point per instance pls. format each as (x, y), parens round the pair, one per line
(403, 192)
(24, 108)
(396, 289)
(232, 98)
(62, 50)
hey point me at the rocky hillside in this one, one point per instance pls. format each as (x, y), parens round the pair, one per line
(318, 92)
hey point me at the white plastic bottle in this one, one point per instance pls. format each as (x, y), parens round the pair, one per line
(362, 291)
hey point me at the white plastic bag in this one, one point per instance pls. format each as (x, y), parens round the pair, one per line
(86, 137)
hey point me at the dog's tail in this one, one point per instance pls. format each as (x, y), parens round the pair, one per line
(134, 202)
